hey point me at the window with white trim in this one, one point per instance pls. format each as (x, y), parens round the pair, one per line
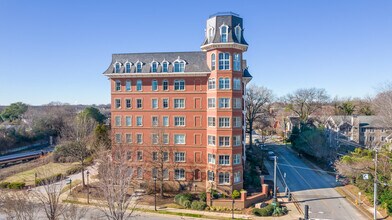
(118, 85)
(224, 141)
(117, 103)
(179, 121)
(117, 121)
(166, 156)
(154, 138)
(224, 122)
(213, 61)
(238, 33)
(165, 66)
(139, 103)
(139, 86)
(154, 121)
(117, 67)
(224, 33)
(165, 138)
(154, 67)
(211, 102)
(165, 174)
(211, 175)
(154, 172)
(224, 178)
(211, 158)
(237, 177)
(165, 121)
(165, 85)
(154, 103)
(236, 159)
(237, 62)
(179, 174)
(179, 103)
(237, 140)
(237, 122)
(139, 173)
(224, 159)
(139, 66)
(211, 83)
(236, 84)
(224, 83)
(154, 85)
(128, 138)
(127, 67)
(211, 121)
(128, 85)
(224, 61)
(179, 66)
(237, 103)
(139, 121)
(165, 103)
(211, 33)
(139, 138)
(211, 140)
(118, 138)
(128, 121)
(179, 84)
(179, 156)
(224, 102)
(179, 139)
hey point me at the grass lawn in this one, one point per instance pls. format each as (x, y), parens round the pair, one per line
(42, 172)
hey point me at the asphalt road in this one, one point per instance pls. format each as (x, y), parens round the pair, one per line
(314, 188)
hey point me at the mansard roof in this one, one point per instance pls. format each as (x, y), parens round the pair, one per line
(195, 61)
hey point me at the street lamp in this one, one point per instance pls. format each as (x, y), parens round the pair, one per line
(88, 187)
(155, 193)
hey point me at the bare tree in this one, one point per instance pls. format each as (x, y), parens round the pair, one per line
(115, 183)
(383, 105)
(258, 102)
(304, 102)
(18, 205)
(74, 212)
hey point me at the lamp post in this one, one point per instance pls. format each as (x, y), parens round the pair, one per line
(155, 193)
(88, 187)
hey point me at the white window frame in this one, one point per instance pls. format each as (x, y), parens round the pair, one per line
(117, 67)
(154, 83)
(237, 84)
(236, 140)
(237, 177)
(179, 121)
(180, 104)
(141, 121)
(139, 64)
(224, 122)
(224, 34)
(237, 103)
(165, 118)
(224, 141)
(213, 61)
(237, 62)
(117, 121)
(139, 138)
(167, 85)
(128, 121)
(179, 157)
(224, 83)
(224, 103)
(117, 103)
(211, 158)
(154, 103)
(237, 122)
(211, 102)
(126, 67)
(181, 66)
(211, 121)
(179, 85)
(128, 85)
(154, 63)
(165, 63)
(141, 103)
(163, 103)
(117, 86)
(236, 159)
(211, 140)
(179, 174)
(139, 85)
(179, 139)
(225, 178)
(224, 61)
(154, 121)
(211, 84)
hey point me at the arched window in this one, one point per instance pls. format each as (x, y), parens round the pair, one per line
(238, 33)
(197, 175)
(128, 67)
(224, 61)
(224, 33)
(213, 61)
(117, 67)
(154, 67)
(179, 66)
(165, 66)
(210, 34)
(139, 66)
(237, 62)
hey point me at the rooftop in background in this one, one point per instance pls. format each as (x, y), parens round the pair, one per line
(224, 14)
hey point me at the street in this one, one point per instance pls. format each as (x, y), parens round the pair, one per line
(313, 187)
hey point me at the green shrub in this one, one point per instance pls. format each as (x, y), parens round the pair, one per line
(236, 194)
(203, 197)
(215, 194)
(186, 203)
(89, 161)
(16, 185)
(198, 205)
(266, 211)
(4, 185)
(73, 170)
(183, 199)
(280, 210)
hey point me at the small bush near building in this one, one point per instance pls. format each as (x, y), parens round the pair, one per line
(236, 194)
(270, 210)
(4, 185)
(183, 199)
(16, 185)
(198, 205)
(203, 197)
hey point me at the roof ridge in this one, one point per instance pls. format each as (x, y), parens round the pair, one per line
(160, 52)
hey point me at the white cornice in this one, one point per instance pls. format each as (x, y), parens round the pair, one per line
(211, 46)
(149, 75)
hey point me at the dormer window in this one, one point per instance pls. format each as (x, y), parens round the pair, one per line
(210, 34)
(128, 67)
(213, 61)
(117, 67)
(165, 66)
(139, 66)
(179, 66)
(224, 33)
(154, 67)
(238, 32)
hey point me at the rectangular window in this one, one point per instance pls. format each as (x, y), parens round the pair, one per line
(165, 103)
(224, 159)
(139, 85)
(154, 138)
(237, 159)
(128, 138)
(165, 174)
(237, 140)
(211, 140)
(128, 121)
(179, 139)
(211, 102)
(128, 85)
(165, 138)
(224, 178)
(237, 103)
(179, 85)
(237, 84)
(179, 157)
(237, 177)
(128, 103)
(154, 85)
(139, 138)
(237, 122)
(129, 157)
(224, 102)
(139, 155)
(139, 103)
(179, 174)
(179, 103)
(211, 83)
(118, 138)
(139, 173)
(224, 141)
(118, 85)
(224, 61)
(237, 62)
(165, 121)
(139, 121)
(166, 156)
(154, 156)
(154, 67)
(224, 83)
(117, 103)
(165, 85)
(211, 176)
(154, 121)
(154, 172)
(224, 122)
(211, 121)
(154, 103)
(118, 121)
(211, 158)
(179, 121)
(164, 67)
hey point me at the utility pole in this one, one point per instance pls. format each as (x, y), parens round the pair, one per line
(375, 186)
(275, 164)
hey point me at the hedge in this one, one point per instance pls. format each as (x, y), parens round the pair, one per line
(198, 205)
(12, 185)
(266, 211)
(4, 185)
(183, 200)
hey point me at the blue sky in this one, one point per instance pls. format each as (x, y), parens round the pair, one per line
(57, 50)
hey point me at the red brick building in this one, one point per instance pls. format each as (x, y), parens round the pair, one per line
(185, 107)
